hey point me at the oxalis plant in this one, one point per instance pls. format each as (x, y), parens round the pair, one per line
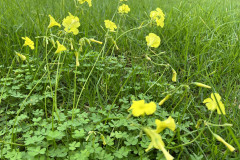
(75, 134)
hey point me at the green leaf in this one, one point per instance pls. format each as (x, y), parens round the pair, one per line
(120, 134)
(74, 145)
(78, 134)
(131, 141)
(55, 135)
(13, 155)
(122, 152)
(34, 140)
(109, 141)
(60, 151)
(33, 151)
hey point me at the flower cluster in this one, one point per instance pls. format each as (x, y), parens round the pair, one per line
(71, 24)
(27, 42)
(141, 108)
(158, 16)
(156, 139)
(88, 1)
(110, 25)
(123, 9)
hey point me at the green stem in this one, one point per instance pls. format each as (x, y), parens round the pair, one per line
(188, 142)
(16, 144)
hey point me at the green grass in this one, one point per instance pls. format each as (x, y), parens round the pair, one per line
(39, 97)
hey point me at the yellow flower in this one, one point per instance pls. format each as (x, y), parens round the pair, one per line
(93, 40)
(122, 0)
(212, 103)
(123, 9)
(28, 42)
(168, 123)
(174, 76)
(153, 40)
(110, 25)
(160, 22)
(88, 1)
(71, 24)
(60, 48)
(22, 57)
(77, 62)
(140, 108)
(164, 99)
(157, 142)
(231, 148)
(158, 16)
(201, 85)
(53, 22)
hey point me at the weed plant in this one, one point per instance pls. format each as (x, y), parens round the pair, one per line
(119, 79)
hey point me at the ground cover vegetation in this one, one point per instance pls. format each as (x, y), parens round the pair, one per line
(119, 79)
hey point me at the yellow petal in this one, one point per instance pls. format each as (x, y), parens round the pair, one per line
(60, 48)
(141, 108)
(174, 76)
(136, 104)
(208, 100)
(158, 16)
(201, 85)
(153, 40)
(110, 25)
(93, 40)
(160, 22)
(77, 62)
(53, 22)
(156, 139)
(88, 1)
(150, 146)
(218, 97)
(21, 56)
(218, 103)
(168, 123)
(71, 24)
(150, 108)
(167, 155)
(160, 126)
(123, 9)
(137, 112)
(164, 99)
(157, 142)
(28, 42)
(222, 108)
(211, 106)
(231, 148)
